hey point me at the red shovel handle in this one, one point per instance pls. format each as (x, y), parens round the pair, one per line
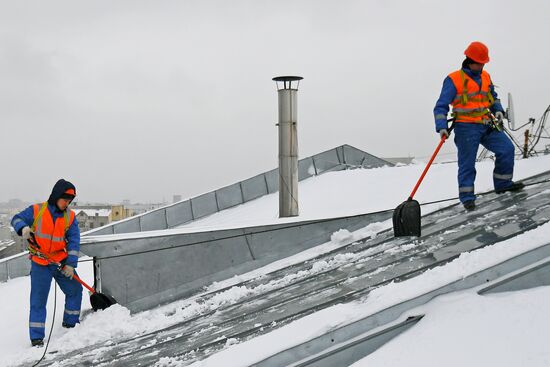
(75, 277)
(443, 138)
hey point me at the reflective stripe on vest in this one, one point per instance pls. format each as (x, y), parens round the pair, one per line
(472, 102)
(50, 236)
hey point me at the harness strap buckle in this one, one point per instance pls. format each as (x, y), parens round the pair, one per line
(36, 252)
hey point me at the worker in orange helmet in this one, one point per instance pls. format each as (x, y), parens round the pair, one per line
(478, 116)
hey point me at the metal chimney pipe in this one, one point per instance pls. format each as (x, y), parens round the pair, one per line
(288, 144)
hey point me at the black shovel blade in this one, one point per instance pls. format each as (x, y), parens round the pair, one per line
(406, 219)
(101, 301)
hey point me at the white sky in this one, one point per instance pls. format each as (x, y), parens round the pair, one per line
(141, 100)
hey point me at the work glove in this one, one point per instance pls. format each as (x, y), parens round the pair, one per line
(68, 271)
(499, 116)
(444, 133)
(26, 232)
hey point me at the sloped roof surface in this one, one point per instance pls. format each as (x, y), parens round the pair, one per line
(342, 275)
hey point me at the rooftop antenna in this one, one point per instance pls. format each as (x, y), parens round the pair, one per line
(510, 112)
(287, 90)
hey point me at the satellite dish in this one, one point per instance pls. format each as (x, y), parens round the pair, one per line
(510, 112)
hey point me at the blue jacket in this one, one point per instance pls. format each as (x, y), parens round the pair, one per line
(448, 94)
(26, 218)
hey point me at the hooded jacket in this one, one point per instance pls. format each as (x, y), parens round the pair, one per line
(26, 218)
(58, 190)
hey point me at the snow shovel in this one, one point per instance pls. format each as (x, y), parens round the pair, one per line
(406, 217)
(99, 301)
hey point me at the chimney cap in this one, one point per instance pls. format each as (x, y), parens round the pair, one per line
(288, 79)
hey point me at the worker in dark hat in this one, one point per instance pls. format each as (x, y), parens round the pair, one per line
(478, 118)
(54, 238)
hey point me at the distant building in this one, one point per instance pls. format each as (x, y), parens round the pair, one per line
(5, 226)
(92, 218)
(119, 212)
(142, 208)
(11, 243)
(176, 198)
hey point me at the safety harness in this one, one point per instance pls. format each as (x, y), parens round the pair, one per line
(472, 107)
(33, 246)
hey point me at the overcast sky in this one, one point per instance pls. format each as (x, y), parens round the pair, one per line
(141, 100)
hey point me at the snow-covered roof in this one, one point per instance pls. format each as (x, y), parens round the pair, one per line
(94, 212)
(470, 311)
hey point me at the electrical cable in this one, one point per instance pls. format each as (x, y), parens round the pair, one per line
(51, 328)
(516, 129)
(539, 130)
(518, 145)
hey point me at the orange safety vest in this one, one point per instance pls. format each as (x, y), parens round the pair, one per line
(472, 102)
(50, 236)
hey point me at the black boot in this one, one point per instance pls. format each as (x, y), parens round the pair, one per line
(37, 343)
(469, 205)
(516, 186)
(67, 326)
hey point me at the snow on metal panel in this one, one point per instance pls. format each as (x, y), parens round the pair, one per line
(350, 349)
(229, 196)
(143, 280)
(179, 213)
(285, 239)
(532, 277)
(204, 205)
(197, 259)
(356, 157)
(326, 161)
(306, 168)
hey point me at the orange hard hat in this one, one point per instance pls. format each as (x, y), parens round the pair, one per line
(478, 52)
